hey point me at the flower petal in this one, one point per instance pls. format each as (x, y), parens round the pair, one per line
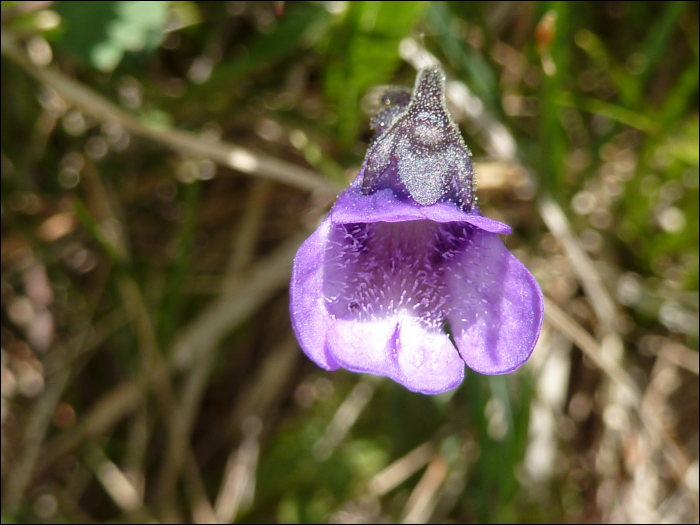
(429, 360)
(496, 306)
(353, 206)
(310, 320)
(399, 348)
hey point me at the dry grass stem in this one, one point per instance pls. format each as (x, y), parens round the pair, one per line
(592, 348)
(223, 314)
(264, 389)
(400, 470)
(197, 379)
(93, 104)
(114, 481)
(422, 501)
(58, 369)
(238, 485)
(680, 356)
(202, 511)
(221, 317)
(650, 415)
(600, 299)
(343, 420)
(35, 429)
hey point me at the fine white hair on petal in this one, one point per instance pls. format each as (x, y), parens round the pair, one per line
(374, 270)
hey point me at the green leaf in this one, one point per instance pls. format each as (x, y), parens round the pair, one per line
(365, 52)
(682, 96)
(171, 306)
(299, 27)
(656, 45)
(8, 519)
(99, 33)
(552, 137)
(611, 111)
(479, 74)
(627, 85)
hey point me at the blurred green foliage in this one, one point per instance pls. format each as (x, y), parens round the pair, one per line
(100, 33)
(363, 52)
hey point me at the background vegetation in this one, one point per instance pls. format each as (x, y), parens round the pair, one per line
(161, 163)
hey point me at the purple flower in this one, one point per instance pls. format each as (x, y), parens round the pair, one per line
(405, 268)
